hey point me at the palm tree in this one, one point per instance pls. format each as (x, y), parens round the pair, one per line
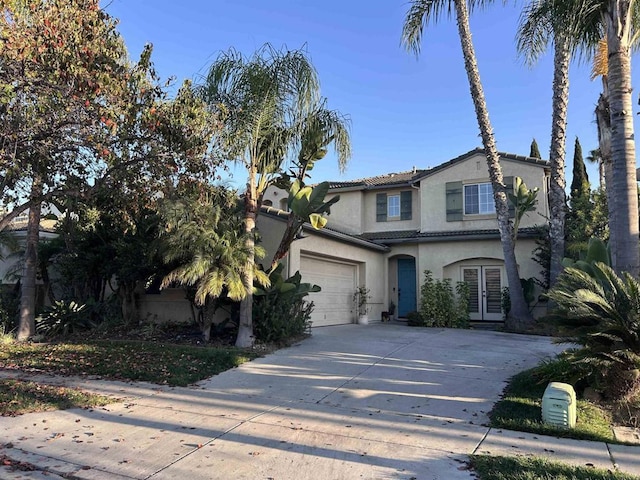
(206, 244)
(261, 101)
(571, 25)
(621, 223)
(619, 19)
(595, 157)
(420, 14)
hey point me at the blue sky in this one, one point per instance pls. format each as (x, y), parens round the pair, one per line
(404, 111)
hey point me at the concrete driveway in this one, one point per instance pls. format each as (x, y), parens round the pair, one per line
(378, 401)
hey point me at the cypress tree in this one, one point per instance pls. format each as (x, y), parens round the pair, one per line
(535, 151)
(580, 183)
(580, 224)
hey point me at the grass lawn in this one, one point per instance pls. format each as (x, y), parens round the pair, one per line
(519, 409)
(528, 468)
(165, 364)
(18, 397)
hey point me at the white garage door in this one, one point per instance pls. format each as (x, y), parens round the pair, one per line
(334, 304)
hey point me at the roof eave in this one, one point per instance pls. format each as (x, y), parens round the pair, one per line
(454, 237)
(282, 216)
(346, 238)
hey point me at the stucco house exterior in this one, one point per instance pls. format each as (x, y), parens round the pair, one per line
(387, 230)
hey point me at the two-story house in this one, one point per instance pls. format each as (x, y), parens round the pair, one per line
(387, 230)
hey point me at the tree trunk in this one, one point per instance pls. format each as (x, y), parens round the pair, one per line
(603, 121)
(129, 307)
(207, 321)
(245, 337)
(623, 224)
(519, 316)
(557, 152)
(27, 323)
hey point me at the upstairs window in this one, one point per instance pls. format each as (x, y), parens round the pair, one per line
(473, 199)
(393, 206)
(478, 199)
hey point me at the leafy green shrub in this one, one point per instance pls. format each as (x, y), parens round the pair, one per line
(414, 319)
(528, 290)
(440, 306)
(505, 302)
(9, 307)
(280, 311)
(63, 318)
(461, 319)
(360, 298)
(562, 368)
(277, 319)
(601, 312)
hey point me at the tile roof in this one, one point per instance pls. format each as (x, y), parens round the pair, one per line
(412, 176)
(389, 179)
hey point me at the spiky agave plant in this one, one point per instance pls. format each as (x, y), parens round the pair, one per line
(602, 314)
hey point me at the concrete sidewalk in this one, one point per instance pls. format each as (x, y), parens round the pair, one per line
(376, 401)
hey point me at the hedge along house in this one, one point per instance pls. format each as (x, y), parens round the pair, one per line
(387, 230)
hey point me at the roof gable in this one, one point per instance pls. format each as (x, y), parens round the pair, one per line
(413, 176)
(480, 151)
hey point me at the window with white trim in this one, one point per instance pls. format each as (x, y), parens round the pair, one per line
(393, 206)
(396, 206)
(478, 199)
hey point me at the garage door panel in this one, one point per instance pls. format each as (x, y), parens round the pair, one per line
(334, 304)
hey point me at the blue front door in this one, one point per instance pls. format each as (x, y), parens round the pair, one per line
(406, 286)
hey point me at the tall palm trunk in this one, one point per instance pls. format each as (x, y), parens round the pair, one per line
(27, 323)
(519, 316)
(245, 329)
(623, 224)
(557, 151)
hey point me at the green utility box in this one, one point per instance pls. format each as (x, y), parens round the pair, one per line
(559, 405)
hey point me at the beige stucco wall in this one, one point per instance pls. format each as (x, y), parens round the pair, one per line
(276, 196)
(170, 305)
(445, 259)
(474, 170)
(347, 215)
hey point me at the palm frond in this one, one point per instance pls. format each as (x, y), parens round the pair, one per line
(600, 64)
(420, 14)
(542, 22)
(603, 313)
(534, 31)
(205, 237)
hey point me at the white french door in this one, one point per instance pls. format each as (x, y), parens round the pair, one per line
(485, 292)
